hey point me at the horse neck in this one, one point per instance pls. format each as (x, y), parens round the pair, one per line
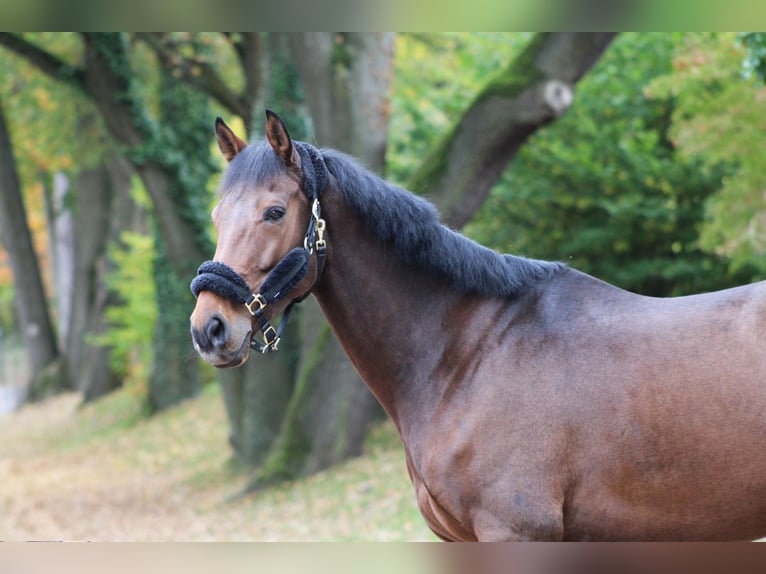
(390, 318)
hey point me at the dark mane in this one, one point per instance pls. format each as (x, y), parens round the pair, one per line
(411, 224)
(407, 222)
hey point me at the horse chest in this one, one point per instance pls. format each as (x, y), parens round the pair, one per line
(442, 522)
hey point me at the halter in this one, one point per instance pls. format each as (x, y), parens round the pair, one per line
(222, 280)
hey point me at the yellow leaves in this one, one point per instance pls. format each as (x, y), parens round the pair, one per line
(6, 279)
(65, 162)
(43, 99)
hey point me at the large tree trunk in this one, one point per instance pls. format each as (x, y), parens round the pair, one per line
(175, 374)
(109, 83)
(257, 394)
(532, 91)
(173, 187)
(46, 368)
(346, 78)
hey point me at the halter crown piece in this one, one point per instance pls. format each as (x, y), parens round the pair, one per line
(222, 280)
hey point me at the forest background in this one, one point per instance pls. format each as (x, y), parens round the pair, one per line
(645, 170)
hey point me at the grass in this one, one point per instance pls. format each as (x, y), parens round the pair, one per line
(103, 472)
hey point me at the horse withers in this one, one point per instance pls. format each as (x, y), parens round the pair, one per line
(534, 402)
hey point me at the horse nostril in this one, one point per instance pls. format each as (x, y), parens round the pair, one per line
(217, 331)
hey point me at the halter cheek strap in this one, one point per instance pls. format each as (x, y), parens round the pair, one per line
(222, 280)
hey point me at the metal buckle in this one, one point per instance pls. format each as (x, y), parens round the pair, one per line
(255, 299)
(270, 337)
(320, 242)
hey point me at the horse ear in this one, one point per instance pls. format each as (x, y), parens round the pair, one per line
(279, 138)
(228, 142)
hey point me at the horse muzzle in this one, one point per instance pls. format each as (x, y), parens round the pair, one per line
(219, 344)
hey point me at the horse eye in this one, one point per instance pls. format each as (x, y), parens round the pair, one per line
(274, 214)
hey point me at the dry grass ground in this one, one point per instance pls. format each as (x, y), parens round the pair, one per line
(104, 473)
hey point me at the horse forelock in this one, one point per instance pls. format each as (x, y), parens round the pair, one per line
(411, 224)
(255, 165)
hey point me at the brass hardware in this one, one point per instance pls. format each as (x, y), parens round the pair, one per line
(273, 337)
(256, 299)
(320, 242)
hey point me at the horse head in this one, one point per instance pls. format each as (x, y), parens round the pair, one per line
(263, 258)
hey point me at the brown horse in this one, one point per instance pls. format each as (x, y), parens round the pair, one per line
(534, 402)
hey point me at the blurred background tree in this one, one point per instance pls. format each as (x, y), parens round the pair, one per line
(625, 185)
(717, 83)
(607, 191)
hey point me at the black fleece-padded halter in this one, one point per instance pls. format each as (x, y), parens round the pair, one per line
(219, 278)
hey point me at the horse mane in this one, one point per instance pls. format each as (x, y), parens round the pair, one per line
(405, 221)
(411, 225)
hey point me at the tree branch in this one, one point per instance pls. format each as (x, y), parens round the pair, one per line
(536, 88)
(202, 75)
(249, 49)
(46, 62)
(126, 118)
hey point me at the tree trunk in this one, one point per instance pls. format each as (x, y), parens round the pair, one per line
(532, 91)
(329, 411)
(104, 209)
(172, 159)
(257, 394)
(175, 371)
(61, 240)
(175, 374)
(46, 368)
(108, 81)
(346, 79)
(96, 377)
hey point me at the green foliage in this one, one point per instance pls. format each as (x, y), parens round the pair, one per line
(131, 324)
(47, 117)
(7, 311)
(603, 188)
(184, 141)
(755, 57)
(718, 117)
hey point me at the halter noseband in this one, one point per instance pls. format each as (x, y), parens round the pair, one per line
(222, 280)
